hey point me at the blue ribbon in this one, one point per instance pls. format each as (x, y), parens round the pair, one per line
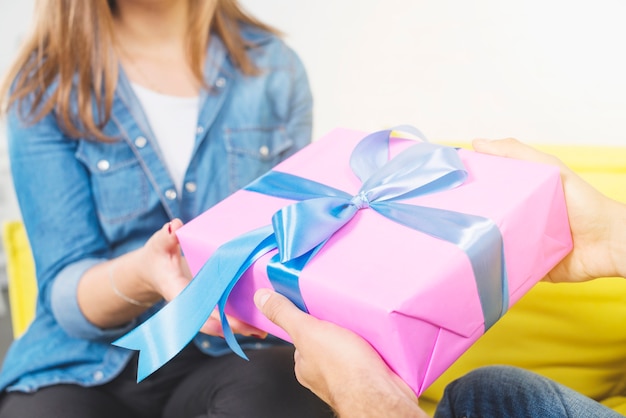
(300, 229)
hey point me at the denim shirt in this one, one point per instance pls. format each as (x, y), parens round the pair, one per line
(84, 202)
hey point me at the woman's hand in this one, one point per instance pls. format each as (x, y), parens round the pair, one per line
(167, 273)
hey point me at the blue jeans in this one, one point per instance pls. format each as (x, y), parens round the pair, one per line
(503, 391)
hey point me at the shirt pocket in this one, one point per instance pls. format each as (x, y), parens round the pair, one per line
(254, 151)
(119, 185)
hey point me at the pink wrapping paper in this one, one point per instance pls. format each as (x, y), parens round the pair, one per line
(412, 296)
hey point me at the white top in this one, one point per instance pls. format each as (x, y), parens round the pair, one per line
(173, 120)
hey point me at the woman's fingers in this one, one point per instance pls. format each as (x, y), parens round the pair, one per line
(213, 326)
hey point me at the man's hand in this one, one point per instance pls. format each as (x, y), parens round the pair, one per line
(598, 224)
(338, 365)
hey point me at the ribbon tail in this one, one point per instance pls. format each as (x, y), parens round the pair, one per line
(167, 332)
(265, 246)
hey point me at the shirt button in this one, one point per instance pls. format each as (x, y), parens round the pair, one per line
(98, 375)
(103, 165)
(140, 142)
(220, 82)
(205, 344)
(264, 151)
(199, 130)
(190, 186)
(170, 194)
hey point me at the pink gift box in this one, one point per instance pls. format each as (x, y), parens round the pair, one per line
(412, 296)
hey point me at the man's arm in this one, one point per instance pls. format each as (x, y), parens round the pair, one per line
(339, 366)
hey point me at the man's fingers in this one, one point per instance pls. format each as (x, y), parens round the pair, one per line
(513, 148)
(212, 327)
(280, 310)
(508, 147)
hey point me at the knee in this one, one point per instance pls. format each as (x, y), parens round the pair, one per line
(487, 392)
(498, 375)
(489, 381)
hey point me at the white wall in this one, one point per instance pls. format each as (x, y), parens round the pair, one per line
(545, 71)
(14, 21)
(15, 17)
(540, 70)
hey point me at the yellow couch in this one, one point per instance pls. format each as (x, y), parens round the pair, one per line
(572, 333)
(20, 274)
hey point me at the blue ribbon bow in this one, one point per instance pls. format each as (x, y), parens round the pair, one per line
(300, 229)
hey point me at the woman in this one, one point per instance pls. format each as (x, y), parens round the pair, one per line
(127, 118)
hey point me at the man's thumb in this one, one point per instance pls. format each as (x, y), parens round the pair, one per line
(278, 309)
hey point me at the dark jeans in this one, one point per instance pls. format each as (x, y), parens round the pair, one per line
(191, 385)
(502, 391)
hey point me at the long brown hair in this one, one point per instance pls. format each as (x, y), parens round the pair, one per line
(68, 61)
